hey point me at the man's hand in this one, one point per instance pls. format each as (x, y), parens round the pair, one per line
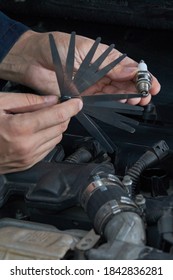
(29, 62)
(31, 126)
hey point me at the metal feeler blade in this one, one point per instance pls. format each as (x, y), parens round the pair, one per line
(91, 78)
(117, 110)
(93, 130)
(86, 76)
(95, 65)
(127, 120)
(118, 107)
(111, 118)
(127, 109)
(57, 64)
(108, 115)
(70, 89)
(110, 97)
(87, 60)
(70, 57)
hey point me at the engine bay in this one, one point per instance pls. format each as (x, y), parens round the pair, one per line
(82, 202)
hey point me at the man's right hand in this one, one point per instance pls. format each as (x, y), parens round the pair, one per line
(31, 126)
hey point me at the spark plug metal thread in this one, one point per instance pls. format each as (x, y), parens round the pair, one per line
(143, 79)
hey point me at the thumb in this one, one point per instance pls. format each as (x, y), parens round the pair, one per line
(123, 73)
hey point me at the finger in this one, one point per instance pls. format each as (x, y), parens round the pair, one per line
(126, 72)
(49, 117)
(50, 100)
(155, 86)
(18, 100)
(144, 101)
(47, 135)
(122, 73)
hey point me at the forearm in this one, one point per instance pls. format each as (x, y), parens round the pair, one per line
(12, 67)
(11, 33)
(29, 62)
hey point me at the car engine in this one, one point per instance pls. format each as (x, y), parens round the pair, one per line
(81, 202)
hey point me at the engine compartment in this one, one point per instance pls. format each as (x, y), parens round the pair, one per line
(79, 203)
(82, 200)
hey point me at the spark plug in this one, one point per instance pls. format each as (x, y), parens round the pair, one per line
(143, 79)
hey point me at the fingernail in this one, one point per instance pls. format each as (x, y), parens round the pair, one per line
(80, 104)
(53, 99)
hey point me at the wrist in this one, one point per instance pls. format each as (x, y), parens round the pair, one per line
(14, 65)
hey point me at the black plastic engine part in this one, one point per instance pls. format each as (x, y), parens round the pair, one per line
(154, 155)
(155, 181)
(50, 185)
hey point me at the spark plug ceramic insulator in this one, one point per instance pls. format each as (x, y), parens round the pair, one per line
(143, 79)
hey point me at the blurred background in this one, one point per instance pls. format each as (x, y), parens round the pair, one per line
(142, 29)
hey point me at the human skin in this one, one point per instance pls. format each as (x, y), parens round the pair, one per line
(32, 124)
(27, 137)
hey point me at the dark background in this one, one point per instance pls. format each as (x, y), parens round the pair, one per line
(142, 29)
